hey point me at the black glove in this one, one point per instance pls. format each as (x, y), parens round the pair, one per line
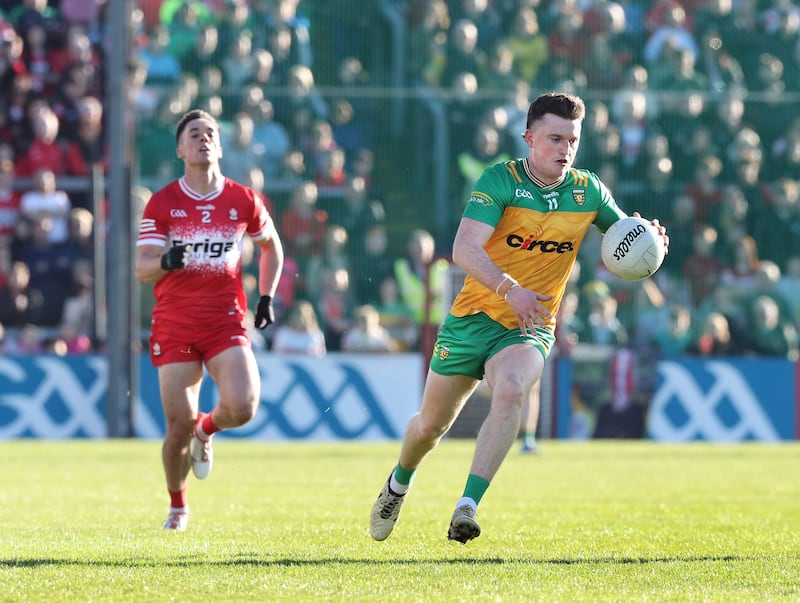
(175, 258)
(265, 315)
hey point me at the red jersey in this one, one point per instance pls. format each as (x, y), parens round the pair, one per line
(210, 285)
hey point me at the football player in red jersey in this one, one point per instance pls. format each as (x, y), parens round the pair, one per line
(190, 246)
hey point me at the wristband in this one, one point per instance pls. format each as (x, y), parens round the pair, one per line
(500, 284)
(505, 295)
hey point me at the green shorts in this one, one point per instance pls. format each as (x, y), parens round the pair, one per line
(465, 344)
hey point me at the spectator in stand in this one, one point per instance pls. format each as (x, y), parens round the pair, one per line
(331, 173)
(768, 277)
(675, 337)
(427, 31)
(420, 277)
(674, 31)
(163, 67)
(791, 73)
(183, 30)
(86, 147)
(784, 154)
(366, 334)
(238, 65)
(602, 325)
(604, 65)
(78, 54)
(773, 113)
(486, 17)
(270, 135)
(714, 338)
(634, 130)
(789, 286)
(299, 332)
(635, 81)
(731, 215)
(335, 303)
(356, 211)
(241, 152)
(51, 272)
(11, 64)
(69, 341)
(702, 269)
(568, 39)
(395, 316)
(333, 256)
(80, 235)
(370, 263)
(45, 199)
(204, 51)
(29, 13)
(9, 199)
(19, 129)
(303, 225)
(36, 56)
(463, 55)
(18, 303)
(79, 314)
(28, 341)
(485, 150)
(724, 72)
(254, 178)
(704, 188)
(303, 96)
(45, 152)
(742, 272)
(528, 44)
(234, 20)
(770, 334)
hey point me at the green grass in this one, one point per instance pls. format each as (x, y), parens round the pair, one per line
(591, 521)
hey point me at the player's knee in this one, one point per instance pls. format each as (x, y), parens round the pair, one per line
(430, 432)
(243, 413)
(509, 393)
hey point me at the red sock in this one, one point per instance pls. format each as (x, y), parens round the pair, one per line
(177, 500)
(207, 427)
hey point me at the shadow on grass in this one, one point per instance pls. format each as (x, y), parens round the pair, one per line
(284, 562)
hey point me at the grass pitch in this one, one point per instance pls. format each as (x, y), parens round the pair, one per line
(589, 521)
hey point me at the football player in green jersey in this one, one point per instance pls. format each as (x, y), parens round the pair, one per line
(517, 242)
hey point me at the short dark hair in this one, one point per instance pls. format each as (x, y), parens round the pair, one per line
(191, 116)
(561, 104)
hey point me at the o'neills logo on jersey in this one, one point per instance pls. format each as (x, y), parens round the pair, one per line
(532, 243)
(479, 199)
(579, 196)
(207, 247)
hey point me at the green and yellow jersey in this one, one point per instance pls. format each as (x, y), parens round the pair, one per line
(538, 231)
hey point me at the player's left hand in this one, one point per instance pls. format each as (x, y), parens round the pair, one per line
(662, 230)
(265, 315)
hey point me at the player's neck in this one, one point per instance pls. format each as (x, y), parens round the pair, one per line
(203, 181)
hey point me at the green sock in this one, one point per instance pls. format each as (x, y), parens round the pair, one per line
(402, 475)
(476, 487)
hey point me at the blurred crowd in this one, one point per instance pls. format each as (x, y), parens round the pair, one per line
(692, 117)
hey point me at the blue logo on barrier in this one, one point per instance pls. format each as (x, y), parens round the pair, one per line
(348, 411)
(723, 401)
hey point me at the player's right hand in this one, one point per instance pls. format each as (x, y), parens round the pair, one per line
(175, 258)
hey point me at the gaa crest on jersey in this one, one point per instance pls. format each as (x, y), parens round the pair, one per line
(156, 349)
(579, 196)
(233, 215)
(442, 351)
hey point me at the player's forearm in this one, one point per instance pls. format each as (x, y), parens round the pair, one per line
(474, 260)
(148, 267)
(270, 266)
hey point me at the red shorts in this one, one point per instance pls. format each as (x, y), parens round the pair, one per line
(170, 342)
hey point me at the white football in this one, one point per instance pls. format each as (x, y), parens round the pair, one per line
(632, 249)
